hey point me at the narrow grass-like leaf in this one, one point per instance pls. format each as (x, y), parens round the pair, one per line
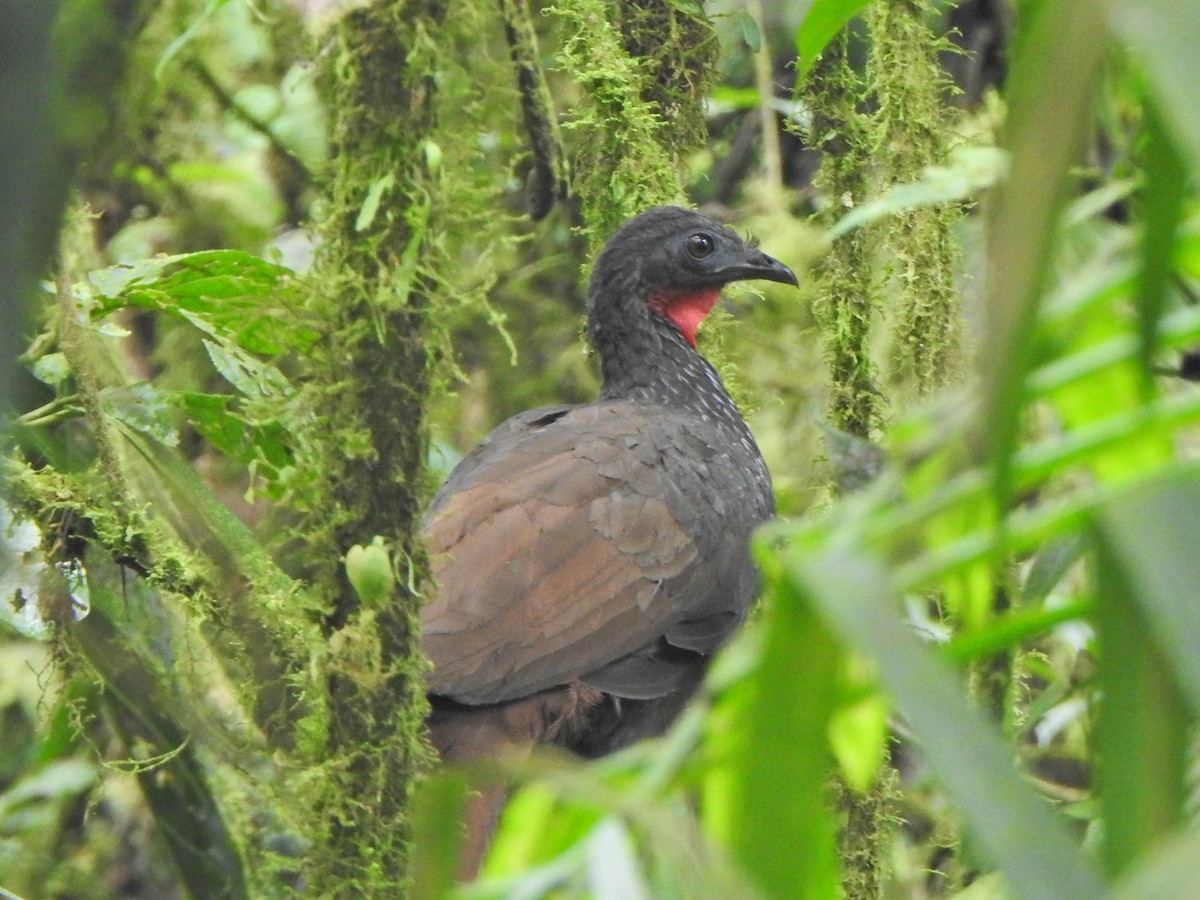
(1144, 590)
(1162, 35)
(767, 791)
(1053, 78)
(1151, 536)
(1011, 826)
(1037, 463)
(1026, 530)
(1168, 873)
(1012, 629)
(1163, 203)
(438, 807)
(1049, 567)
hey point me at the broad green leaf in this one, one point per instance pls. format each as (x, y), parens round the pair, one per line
(228, 293)
(824, 19)
(51, 369)
(210, 416)
(247, 373)
(217, 419)
(143, 407)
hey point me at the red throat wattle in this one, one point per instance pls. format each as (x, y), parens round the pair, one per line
(686, 309)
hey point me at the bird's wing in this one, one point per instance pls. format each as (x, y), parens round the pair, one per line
(569, 547)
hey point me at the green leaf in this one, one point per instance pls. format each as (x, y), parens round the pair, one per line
(248, 374)
(210, 416)
(750, 33)
(1013, 629)
(189, 34)
(770, 733)
(144, 408)
(1162, 36)
(142, 698)
(825, 18)
(216, 419)
(1152, 536)
(1169, 872)
(725, 96)
(971, 170)
(370, 207)
(52, 369)
(438, 807)
(227, 293)
(1053, 79)
(1162, 204)
(1013, 828)
(535, 828)
(54, 782)
(1049, 567)
(201, 520)
(1147, 625)
(858, 736)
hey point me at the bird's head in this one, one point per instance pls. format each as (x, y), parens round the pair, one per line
(673, 262)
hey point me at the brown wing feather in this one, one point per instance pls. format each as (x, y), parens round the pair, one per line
(551, 554)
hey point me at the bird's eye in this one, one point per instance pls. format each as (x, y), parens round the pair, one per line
(700, 245)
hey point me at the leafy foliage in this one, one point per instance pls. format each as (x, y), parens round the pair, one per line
(996, 601)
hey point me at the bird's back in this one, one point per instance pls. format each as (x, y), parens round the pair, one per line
(604, 544)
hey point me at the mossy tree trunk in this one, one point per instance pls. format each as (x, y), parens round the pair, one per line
(368, 390)
(876, 129)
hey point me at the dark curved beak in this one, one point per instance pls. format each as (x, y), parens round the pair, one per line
(757, 266)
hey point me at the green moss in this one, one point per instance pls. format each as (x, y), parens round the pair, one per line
(861, 841)
(369, 380)
(861, 155)
(644, 69)
(911, 134)
(845, 301)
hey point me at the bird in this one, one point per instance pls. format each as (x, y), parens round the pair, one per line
(590, 559)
